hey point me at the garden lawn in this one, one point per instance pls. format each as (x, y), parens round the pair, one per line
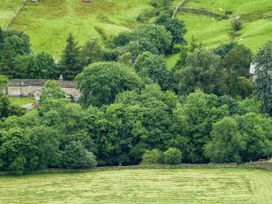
(141, 186)
(20, 101)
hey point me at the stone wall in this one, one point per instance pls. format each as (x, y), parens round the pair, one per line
(203, 12)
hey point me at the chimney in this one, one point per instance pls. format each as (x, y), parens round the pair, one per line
(61, 78)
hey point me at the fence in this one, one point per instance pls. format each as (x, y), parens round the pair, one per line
(202, 11)
(182, 3)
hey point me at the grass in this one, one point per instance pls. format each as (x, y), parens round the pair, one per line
(7, 9)
(141, 186)
(49, 22)
(20, 101)
(256, 16)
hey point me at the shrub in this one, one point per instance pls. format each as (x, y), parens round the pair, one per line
(18, 165)
(153, 156)
(172, 156)
(75, 156)
(236, 25)
(228, 12)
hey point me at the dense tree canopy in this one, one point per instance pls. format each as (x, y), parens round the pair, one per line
(133, 107)
(154, 67)
(175, 26)
(199, 72)
(101, 82)
(263, 83)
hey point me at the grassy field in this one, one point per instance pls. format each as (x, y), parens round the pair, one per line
(7, 9)
(256, 16)
(50, 21)
(141, 186)
(20, 101)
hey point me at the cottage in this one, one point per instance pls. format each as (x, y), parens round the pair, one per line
(34, 87)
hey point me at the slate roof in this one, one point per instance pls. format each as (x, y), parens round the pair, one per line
(38, 82)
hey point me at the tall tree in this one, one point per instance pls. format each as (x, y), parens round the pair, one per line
(154, 66)
(226, 143)
(99, 83)
(199, 72)
(263, 83)
(71, 64)
(13, 47)
(91, 52)
(175, 26)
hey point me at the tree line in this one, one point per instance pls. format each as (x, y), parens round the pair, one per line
(133, 107)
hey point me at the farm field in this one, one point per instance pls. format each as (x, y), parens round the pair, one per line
(141, 186)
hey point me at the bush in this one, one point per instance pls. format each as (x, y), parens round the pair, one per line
(18, 165)
(228, 12)
(153, 156)
(172, 156)
(236, 25)
(75, 156)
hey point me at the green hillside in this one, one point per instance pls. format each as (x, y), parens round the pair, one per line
(256, 16)
(7, 9)
(49, 22)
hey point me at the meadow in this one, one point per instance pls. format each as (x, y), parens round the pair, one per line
(231, 185)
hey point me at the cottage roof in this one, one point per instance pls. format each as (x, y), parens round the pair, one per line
(26, 82)
(67, 84)
(38, 82)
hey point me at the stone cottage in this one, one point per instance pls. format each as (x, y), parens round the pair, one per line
(34, 87)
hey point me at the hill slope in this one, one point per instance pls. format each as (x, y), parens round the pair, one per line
(49, 22)
(256, 16)
(7, 9)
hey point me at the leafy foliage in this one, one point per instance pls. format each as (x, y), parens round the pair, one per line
(154, 67)
(263, 83)
(99, 83)
(172, 156)
(153, 156)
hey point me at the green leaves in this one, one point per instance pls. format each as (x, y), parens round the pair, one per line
(101, 82)
(154, 67)
(263, 83)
